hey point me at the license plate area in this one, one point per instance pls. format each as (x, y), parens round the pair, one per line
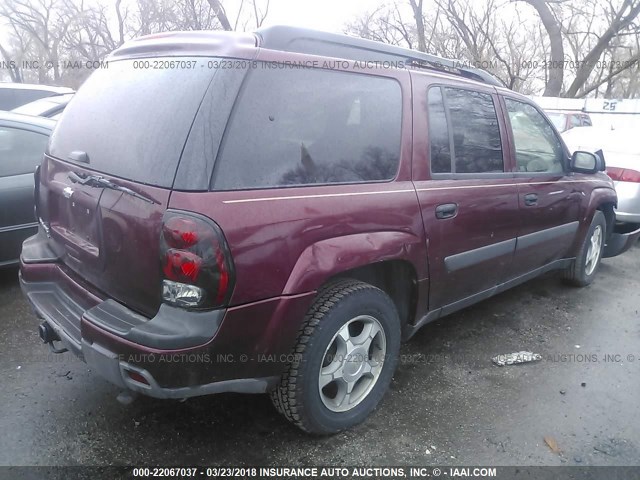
(76, 220)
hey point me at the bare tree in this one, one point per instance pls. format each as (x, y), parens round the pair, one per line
(552, 26)
(220, 12)
(622, 19)
(418, 16)
(260, 15)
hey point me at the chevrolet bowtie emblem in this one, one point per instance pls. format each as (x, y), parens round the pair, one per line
(67, 192)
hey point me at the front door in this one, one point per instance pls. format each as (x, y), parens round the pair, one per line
(549, 197)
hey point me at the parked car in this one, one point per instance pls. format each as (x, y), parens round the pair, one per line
(622, 157)
(565, 120)
(284, 220)
(13, 95)
(50, 107)
(22, 144)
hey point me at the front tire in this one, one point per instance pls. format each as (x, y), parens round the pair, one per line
(345, 356)
(583, 269)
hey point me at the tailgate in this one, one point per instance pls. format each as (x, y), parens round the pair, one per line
(110, 238)
(109, 170)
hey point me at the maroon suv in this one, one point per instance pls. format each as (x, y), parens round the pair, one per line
(275, 212)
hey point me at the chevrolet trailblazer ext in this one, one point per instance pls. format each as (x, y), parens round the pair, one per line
(204, 198)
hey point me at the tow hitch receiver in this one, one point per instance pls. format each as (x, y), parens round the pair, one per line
(48, 336)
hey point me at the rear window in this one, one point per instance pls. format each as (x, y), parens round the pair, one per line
(11, 98)
(310, 126)
(132, 119)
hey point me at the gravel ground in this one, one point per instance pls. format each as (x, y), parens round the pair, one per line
(448, 403)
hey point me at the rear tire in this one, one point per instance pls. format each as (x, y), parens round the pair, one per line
(583, 269)
(345, 356)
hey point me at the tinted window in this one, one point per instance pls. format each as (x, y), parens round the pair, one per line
(438, 132)
(304, 126)
(586, 121)
(7, 99)
(133, 122)
(476, 133)
(20, 151)
(27, 96)
(538, 149)
(199, 155)
(11, 98)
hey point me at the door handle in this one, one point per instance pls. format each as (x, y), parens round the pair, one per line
(531, 199)
(446, 210)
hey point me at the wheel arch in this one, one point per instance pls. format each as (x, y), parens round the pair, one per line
(391, 261)
(602, 199)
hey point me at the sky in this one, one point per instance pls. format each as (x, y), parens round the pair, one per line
(329, 15)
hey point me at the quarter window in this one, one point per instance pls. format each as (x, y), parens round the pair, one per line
(309, 126)
(438, 133)
(475, 146)
(538, 149)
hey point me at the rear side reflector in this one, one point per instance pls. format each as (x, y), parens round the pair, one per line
(196, 262)
(136, 377)
(623, 174)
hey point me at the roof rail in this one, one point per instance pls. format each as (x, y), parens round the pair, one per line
(302, 40)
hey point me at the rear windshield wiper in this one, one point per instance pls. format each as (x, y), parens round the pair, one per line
(101, 182)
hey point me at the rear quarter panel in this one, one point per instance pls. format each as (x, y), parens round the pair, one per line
(291, 240)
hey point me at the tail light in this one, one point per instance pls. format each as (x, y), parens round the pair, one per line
(623, 174)
(196, 262)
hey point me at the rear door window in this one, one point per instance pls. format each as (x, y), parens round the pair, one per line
(132, 119)
(308, 127)
(474, 145)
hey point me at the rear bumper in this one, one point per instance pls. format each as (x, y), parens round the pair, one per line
(177, 354)
(624, 236)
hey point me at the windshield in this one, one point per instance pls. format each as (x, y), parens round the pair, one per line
(559, 120)
(133, 117)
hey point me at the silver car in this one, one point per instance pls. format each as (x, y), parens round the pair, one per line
(622, 156)
(23, 140)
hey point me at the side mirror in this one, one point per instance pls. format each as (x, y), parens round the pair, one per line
(586, 162)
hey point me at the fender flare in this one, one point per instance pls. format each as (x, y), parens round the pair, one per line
(329, 257)
(598, 197)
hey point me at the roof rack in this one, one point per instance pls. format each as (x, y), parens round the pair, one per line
(302, 40)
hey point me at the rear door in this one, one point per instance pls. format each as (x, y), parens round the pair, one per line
(21, 151)
(126, 126)
(549, 196)
(466, 192)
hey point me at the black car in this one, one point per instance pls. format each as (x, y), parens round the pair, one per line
(23, 140)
